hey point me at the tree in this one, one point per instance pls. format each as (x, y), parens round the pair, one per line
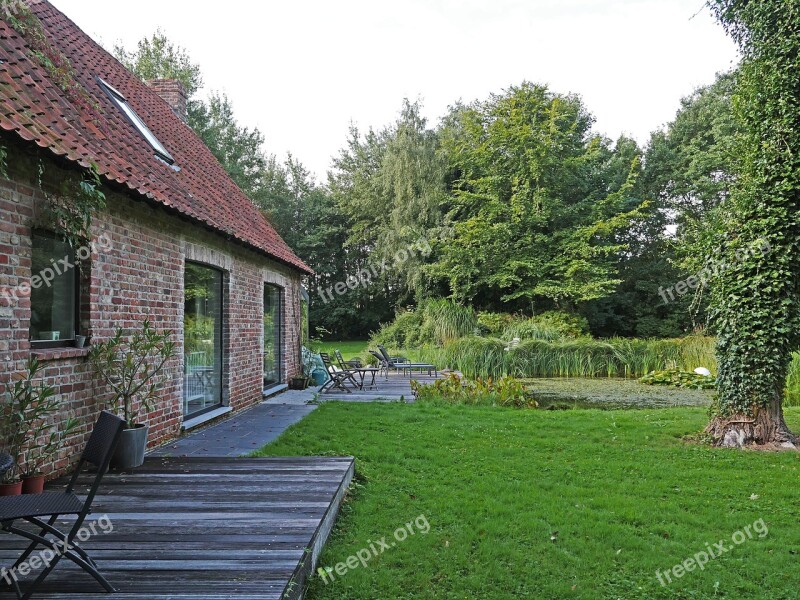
(158, 58)
(538, 203)
(240, 150)
(688, 170)
(755, 300)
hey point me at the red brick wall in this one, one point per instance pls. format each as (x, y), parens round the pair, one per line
(140, 277)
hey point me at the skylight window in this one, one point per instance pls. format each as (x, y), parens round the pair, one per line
(137, 122)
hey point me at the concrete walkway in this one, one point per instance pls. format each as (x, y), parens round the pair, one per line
(240, 434)
(251, 429)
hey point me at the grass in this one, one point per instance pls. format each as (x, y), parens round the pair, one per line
(350, 349)
(549, 504)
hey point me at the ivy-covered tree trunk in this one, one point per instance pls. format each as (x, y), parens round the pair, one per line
(755, 300)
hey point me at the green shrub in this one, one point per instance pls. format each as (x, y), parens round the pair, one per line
(681, 379)
(550, 325)
(433, 322)
(494, 324)
(444, 320)
(532, 329)
(403, 332)
(506, 391)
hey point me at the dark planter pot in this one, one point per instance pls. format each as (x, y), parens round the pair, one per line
(11, 489)
(33, 484)
(298, 383)
(130, 450)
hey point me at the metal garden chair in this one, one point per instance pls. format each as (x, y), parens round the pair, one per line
(43, 510)
(384, 364)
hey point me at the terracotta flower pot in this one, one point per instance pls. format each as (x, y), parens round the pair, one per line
(33, 484)
(11, 489)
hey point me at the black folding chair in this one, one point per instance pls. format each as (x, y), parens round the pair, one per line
(336, 379)
(35, 507)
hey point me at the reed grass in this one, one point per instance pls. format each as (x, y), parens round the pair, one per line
(580, 357)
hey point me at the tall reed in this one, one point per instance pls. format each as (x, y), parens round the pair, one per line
(579, 357)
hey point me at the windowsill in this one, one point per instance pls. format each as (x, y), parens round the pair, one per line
(205, 417)
(275, 390)
(43, 354)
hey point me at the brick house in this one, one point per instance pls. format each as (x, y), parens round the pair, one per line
(178, 242)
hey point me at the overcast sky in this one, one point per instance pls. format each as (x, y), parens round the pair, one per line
(303, 70)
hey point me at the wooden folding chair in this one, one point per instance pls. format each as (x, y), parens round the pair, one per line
(336, 379)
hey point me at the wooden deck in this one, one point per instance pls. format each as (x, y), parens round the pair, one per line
(396, 388)
(205, 529)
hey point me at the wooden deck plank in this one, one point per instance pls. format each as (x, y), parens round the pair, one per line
(205, 528)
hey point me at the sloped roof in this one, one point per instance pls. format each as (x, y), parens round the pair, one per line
(33, 107)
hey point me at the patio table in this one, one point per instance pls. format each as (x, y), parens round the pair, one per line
(362, 373)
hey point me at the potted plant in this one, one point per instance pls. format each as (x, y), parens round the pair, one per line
(300, 382)
(132, 366)
(25, 408)
(45, 442)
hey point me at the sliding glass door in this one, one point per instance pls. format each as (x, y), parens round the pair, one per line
(203, 350)
(273, 334)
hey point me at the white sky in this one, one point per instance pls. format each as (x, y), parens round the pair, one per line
(302, 71)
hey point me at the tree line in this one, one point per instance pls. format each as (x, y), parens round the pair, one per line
(525, 207)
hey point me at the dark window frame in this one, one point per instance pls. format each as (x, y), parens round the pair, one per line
(78, 291)
(222, 330)
(281, 349)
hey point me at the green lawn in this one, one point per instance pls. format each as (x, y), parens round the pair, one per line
(550, 504)
(350, 349)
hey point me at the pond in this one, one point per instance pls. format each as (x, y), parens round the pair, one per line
(610, 394)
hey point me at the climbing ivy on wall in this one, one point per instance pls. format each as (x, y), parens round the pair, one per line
(755, 301)
(70, 209)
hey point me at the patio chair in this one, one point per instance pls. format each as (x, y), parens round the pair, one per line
(401, 364)
(392, 361)
(383, 364)
(353, 363)
(348, 367)
(52, 505)
(336, 379)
